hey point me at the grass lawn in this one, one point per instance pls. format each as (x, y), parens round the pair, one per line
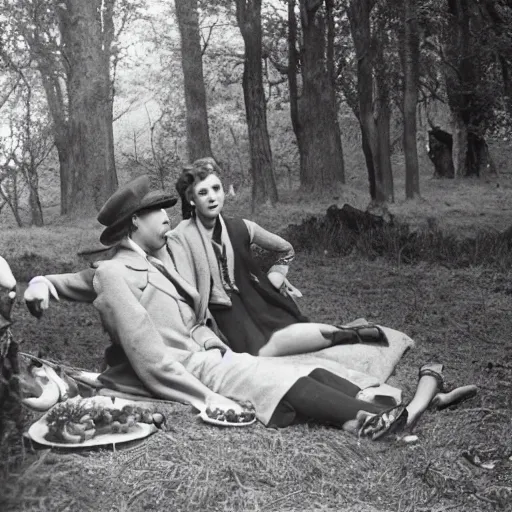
(459, 316)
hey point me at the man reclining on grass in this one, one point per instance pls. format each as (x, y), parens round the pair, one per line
(161, 345)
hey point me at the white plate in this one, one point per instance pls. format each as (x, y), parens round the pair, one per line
(207, 419)
(39, 429)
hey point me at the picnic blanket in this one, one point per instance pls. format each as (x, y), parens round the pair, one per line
(377, 361)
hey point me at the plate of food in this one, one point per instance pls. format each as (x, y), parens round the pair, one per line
(95, 421)
(229, 417)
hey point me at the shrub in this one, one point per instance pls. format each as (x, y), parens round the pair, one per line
(399, 243)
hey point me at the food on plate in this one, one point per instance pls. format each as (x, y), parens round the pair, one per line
(247, 414)
(78, 420)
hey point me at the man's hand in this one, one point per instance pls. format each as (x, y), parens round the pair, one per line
(37, 295)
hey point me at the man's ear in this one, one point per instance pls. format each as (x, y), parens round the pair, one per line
(135, 221)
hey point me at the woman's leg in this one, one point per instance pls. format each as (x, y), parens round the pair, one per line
(299, 338)
(314, 400)
(429, 383)
(335, 381)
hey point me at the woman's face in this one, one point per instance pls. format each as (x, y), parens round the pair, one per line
(208, 197)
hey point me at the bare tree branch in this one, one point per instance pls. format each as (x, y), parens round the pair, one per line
(9, 92)
(206, 40)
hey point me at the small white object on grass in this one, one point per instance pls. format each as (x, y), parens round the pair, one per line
(412, 438)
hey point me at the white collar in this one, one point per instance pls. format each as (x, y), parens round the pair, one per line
(141, 252)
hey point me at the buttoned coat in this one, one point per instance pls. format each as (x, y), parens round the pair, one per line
(163, 338)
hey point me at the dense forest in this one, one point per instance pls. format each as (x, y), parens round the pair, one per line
(93, 93)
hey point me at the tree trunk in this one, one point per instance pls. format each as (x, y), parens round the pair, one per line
(384, 178)
(55, 99)
(198, 136)
(359, 17)
(507, 83)
(248, 13)
(374, 110)
(352, 99)
(368, 157)
(87, 31)
(478, 159)
(36, 212)
(411, 80)
(382, 117)
(293, 68)
(382, 112)
(11, 198)
(321, 149)
(471, 157)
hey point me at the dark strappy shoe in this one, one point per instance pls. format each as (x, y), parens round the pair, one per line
(368, 333)
(390, 422)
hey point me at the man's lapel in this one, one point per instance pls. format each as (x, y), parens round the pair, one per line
(135, 261)
(165, 282)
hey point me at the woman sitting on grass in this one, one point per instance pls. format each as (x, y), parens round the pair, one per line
(164, 347)
(253, 310)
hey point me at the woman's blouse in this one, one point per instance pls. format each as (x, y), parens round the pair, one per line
(272, 242)
(257, 235)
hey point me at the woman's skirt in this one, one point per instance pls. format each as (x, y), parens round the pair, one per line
(250, 322)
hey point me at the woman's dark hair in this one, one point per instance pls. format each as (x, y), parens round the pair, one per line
(190, 175)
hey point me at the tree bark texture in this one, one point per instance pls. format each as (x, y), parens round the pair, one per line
(470, 152)
(55, 97)
(87, 32)
(382, 116)
(36, 211)
(293, 69)
(198, 135)
(10, 195)
(352, 99)
(411, 81)
(374, 111)
(320, 141)
(79, 92)
(30, 167)
(248, 13)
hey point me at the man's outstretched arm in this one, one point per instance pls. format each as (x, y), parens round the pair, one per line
(76, 286)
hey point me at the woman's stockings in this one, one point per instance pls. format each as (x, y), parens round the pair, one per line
(327, 398)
